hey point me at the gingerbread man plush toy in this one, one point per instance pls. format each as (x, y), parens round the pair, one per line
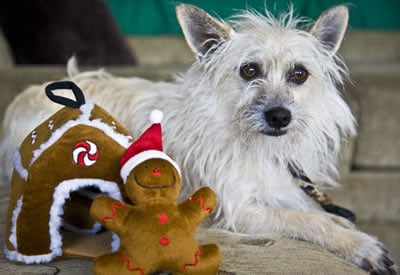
(156, 233)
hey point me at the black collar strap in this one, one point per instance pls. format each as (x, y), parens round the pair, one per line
(322, 198)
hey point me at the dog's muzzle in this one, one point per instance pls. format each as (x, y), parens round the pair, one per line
(277, 119)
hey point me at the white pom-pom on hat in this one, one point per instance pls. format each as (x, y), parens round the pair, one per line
(156, 116)
(147, 146)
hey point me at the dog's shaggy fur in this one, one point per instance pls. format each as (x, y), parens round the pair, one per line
(261, 95)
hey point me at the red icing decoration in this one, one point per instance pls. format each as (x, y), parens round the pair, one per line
(128, 263)
(163, 218)
(201, 201)
(164, 241)
(114, 212)
(193, 263)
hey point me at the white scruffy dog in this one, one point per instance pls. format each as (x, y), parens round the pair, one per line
(260, 98)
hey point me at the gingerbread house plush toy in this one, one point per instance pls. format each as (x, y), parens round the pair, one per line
(59, 168)
(156, 233)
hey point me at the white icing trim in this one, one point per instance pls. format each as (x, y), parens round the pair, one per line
(17, 162)
(83, 119)
(60, 195)
(17, 257)
(13, 233)
(86, 109)
(143, 156)
(115, 242)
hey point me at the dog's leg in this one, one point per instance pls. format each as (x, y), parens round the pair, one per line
(331, 232)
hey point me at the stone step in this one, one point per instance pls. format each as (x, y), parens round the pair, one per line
(375, 98)
(373, 47)
(372, 195)
(358, 47)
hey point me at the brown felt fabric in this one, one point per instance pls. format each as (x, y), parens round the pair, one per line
(167, 185)
(156, 233)
(76, 211)
(55, 165)
(86, 246)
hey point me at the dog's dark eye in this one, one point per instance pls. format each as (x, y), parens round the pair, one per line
(250, 71)
(298, 75)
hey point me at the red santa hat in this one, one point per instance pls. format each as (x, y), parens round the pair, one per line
(148, 146)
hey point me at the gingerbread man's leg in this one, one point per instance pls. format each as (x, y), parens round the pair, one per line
(208, 262)
(105, 264)
(116, 263)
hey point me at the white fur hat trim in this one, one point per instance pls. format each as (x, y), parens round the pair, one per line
(143, 156)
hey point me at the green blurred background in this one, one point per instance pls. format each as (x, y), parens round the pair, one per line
(157, 17)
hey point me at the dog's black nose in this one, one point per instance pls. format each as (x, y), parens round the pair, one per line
(278, 117)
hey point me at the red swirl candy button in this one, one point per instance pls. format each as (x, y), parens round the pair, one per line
(85, 153)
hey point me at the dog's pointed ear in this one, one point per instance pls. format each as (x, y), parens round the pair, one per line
(331, 26)
(202, 32)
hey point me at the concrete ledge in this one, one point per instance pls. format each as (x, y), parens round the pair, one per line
(240, 255)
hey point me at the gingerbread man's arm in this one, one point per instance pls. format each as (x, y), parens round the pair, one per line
(199, 205)
(109, 212)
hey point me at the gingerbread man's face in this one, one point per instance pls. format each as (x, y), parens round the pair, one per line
(153, 179)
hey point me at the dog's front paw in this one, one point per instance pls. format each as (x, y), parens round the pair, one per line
(372, 256)
(369, 254)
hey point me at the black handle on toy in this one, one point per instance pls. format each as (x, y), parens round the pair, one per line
(65, 85)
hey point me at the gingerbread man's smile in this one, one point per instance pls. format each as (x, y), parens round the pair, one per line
(154, 174)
